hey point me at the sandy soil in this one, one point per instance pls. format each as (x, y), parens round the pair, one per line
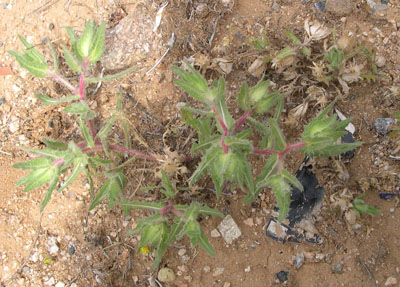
(67, 246)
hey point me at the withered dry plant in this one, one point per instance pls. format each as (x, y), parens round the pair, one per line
(223, 143)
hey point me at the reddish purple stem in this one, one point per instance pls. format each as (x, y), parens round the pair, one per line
(280, 153)
(170, 207)
(221, 122)
(99, 146)
(91, 127)
(58, 162)
(241, 120)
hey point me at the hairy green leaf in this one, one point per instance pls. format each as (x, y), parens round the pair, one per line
(51, 101)
(71, 60)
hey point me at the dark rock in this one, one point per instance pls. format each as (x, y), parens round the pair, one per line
(71, 250)
(382, 125)
(282, 276)
(338, 268)
(320, 5)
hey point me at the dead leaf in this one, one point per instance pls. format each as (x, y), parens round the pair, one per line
(257, 68)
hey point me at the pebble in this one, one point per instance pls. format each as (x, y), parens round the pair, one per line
(206, 269)
(181, 252)
(218, 271)
(380, 61)
(282, 276)
(60, 284)
(2, 100)
(229, 229)
(275, 6)
(74, 285)
(215, 233)
(320, 5)
(249, 222)
(13, 127)
(338, 268)
(35, 257)
(391, 281)
(166, 275)
(50, 282)
(226, 284)
(298, 260)
(391, 210)
(382, 125)
(26, 270)
(247, 269)
(339, 7)
(71, 250)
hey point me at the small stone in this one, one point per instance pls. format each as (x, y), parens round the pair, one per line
(282, 276)
(13, 127)
(50, 282)
(74, 285)
(339, 7)
(298, 260)
(247, 269)
(391, 281)
(338, 268)
(218, 271)
(320, 5)
(2, 100)
(380, 61)
(188, 278)
(26, 270)
(71, 250)
(275, 6)
(229, 229)
(215, 233)
(356, 226)
(52, 246)
(382, 125)
(60, 284)
(166, 275)
(226, 284)
(181, 252)
(249, 222)
(391, 210)
(15, 88)
(35, 257)
(206, 269)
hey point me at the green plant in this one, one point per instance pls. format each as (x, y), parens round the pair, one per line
(225, 148)
(359, 206)
(59, 157)
(158, 230)
(223, 144)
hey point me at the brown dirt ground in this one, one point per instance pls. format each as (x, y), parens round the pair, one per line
(104, 256)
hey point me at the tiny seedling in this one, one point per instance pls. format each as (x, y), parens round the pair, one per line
(359, 207)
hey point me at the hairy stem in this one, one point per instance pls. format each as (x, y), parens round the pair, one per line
(63, 81)
(58, 162)
(99, 147)
(280, 153)
(170, 207)
(240, 121)
(82, 87)
(91, 127)
(221, 122)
